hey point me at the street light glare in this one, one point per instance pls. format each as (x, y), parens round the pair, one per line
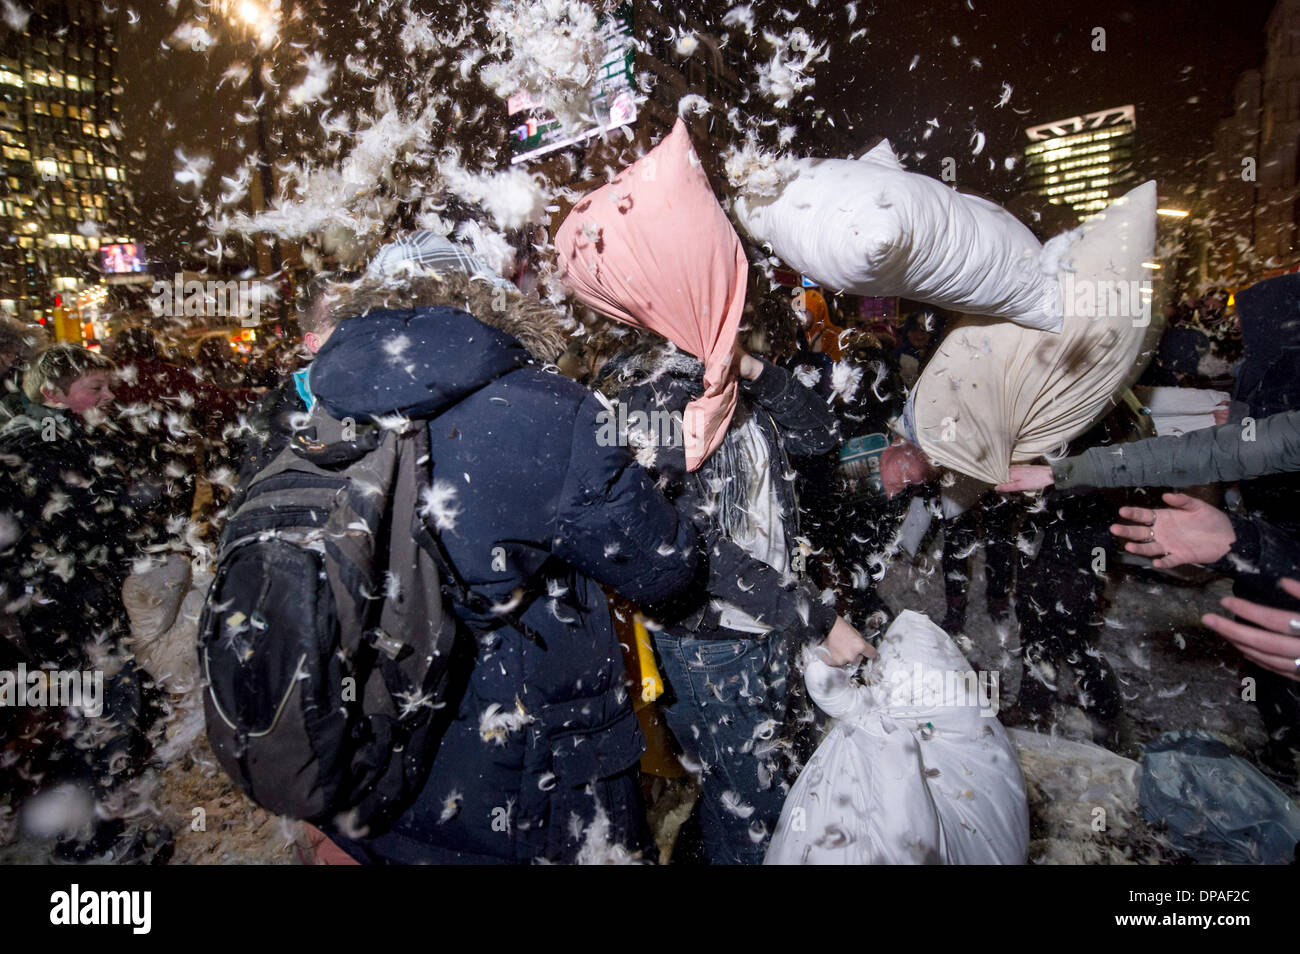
(1173, 213)
(259, 17)
(251, 12)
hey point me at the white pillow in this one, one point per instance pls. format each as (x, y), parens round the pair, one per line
(996, 394)
(868, 227)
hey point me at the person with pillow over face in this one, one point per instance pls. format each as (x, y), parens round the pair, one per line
(997, 394)
(656, 252)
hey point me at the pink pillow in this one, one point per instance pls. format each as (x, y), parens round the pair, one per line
(653, 249)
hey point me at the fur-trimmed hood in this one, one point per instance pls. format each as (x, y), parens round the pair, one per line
(539, 327)
(415, 346)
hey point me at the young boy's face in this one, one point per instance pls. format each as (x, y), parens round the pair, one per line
(84, 394)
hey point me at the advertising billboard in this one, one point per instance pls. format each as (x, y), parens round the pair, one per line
(534, 134)
(122, 259)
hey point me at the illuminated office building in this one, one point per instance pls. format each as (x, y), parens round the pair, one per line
(1084, 162)
(61, 193)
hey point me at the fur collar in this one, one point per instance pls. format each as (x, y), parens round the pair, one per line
(536, 325)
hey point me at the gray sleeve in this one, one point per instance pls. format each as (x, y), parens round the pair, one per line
(1240, 451)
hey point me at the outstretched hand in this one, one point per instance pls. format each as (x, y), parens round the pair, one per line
(1273, 643)
(1187, 531)
(1025, 477)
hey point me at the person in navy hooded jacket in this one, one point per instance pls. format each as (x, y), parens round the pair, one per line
(539, 759)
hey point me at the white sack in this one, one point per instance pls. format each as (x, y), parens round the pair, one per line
(153, 596)
(868, 227)
(169, 655)
(916, 768)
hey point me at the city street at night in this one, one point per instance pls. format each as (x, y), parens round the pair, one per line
(571, 432)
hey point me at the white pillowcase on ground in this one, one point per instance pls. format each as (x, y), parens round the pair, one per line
(868, 227)
(915, 770)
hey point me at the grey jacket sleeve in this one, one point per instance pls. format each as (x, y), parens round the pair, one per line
(1215, 455)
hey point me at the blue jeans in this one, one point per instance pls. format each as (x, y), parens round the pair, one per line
(726, 709)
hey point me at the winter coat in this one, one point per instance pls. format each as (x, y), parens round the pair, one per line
(178, 419)
(1260, 557)
(1177, 356)
(1268, 385)
(1213, 455)
(69, 527)
(794, 421)
(1268, 381)
(849, 520)
(173, 388)
(1267, 545)
(536, 514)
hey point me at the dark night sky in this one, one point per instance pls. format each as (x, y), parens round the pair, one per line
(1175, 61)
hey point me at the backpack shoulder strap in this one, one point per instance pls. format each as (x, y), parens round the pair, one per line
(415, 451)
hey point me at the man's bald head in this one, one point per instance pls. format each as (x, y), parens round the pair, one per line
(903, 465)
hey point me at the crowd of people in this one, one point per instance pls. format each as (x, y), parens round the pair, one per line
(733, 545)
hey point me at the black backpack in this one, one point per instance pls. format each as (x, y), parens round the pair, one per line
(327, 640)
